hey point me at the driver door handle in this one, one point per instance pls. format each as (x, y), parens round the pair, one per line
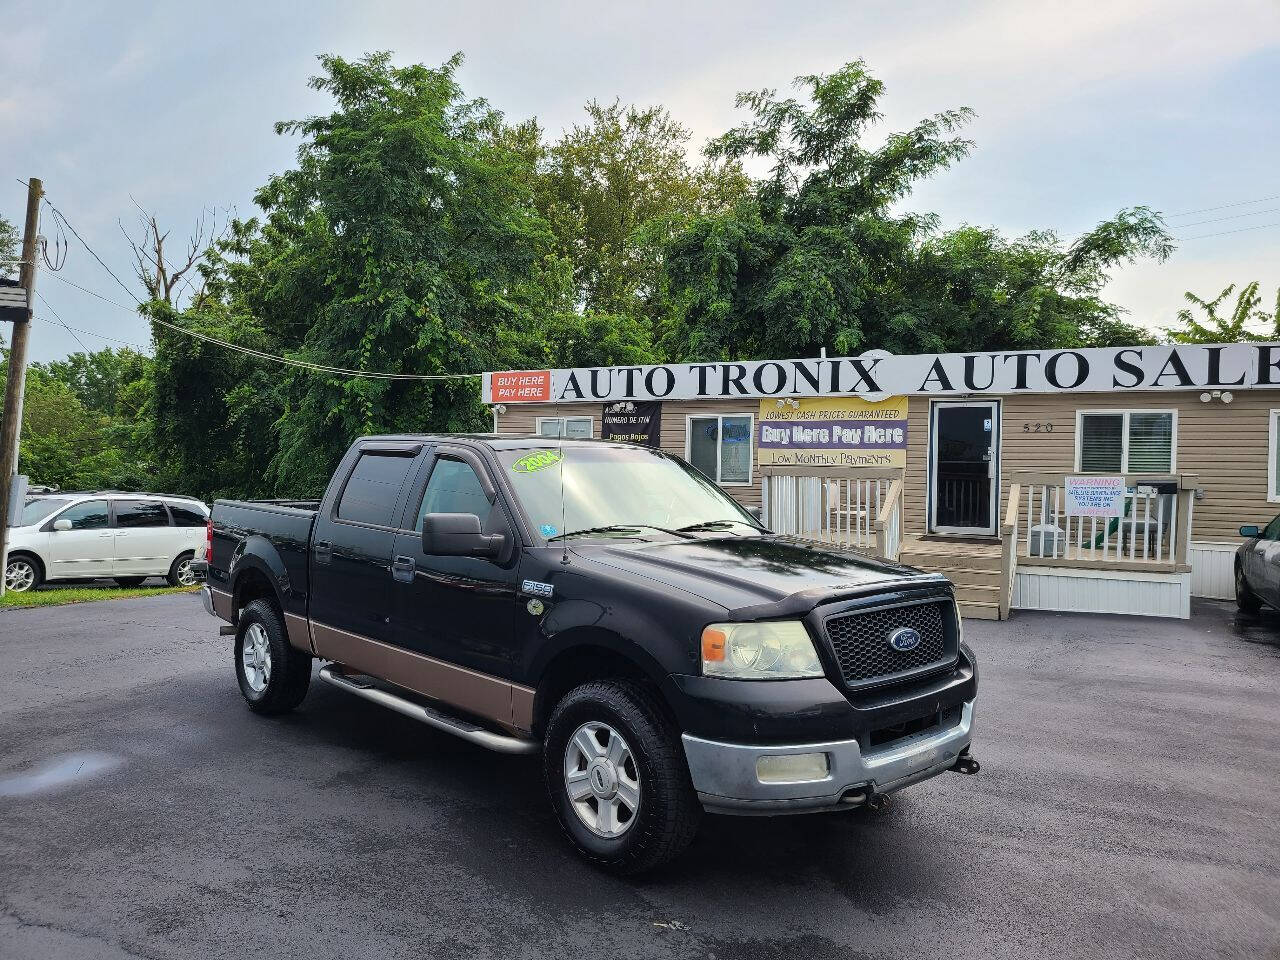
(324, 551)
(403, 569)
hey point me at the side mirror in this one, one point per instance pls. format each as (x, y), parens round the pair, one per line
(62, 524)
(1249, 530)
(458, 535)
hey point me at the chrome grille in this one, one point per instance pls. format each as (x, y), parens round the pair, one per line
(860, 640)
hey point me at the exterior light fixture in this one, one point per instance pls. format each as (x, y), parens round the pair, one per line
(1227, 396)
(1204, 397)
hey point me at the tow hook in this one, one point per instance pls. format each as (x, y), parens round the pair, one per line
(966, 764)
(866, 798)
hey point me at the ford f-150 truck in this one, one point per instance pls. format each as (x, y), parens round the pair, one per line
(610, 607)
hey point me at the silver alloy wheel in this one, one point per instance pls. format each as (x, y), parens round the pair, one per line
(19, 576)
(185, 577)
(602, 780)
(255, 655)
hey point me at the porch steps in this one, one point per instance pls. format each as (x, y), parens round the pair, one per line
(974, 568)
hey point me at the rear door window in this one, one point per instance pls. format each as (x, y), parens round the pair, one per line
(140, 513)
(373, 488)
(187, 516)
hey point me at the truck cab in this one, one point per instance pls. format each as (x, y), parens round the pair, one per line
(607, 606)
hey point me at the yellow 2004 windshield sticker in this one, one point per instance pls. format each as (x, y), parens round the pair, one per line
(538, 460)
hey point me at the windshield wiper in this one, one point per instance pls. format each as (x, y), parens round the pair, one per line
(714, 525)
(619, 528)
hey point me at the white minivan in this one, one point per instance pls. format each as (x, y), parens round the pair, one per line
(125, 536)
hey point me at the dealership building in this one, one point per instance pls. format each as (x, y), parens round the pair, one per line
(1104, 480)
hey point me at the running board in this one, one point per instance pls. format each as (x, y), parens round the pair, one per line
(432, 718)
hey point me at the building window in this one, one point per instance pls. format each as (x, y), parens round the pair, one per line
(720, 446)
(1126, 441)
(1273, 456)
(565, 427)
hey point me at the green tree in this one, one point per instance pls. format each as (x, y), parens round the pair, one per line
(615, 190)
(10, 249)
(407, 239)
(1215, 328)
(819, 256)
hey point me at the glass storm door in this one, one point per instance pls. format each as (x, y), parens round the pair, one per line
(964, 467)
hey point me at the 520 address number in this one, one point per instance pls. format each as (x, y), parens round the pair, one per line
(1037, 427)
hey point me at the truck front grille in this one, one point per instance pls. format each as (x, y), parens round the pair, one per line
(860, 640)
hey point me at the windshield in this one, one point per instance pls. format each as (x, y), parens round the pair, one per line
(36, 509)
(638, 491)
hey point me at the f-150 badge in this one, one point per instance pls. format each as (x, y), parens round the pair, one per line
(537, 588)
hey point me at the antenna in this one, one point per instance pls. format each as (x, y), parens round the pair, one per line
(564, 557)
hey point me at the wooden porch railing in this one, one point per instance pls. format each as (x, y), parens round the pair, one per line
(1009, 549)
(1151, 533)
(855, 507)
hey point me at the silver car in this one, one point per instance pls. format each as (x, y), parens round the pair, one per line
(1258, 567)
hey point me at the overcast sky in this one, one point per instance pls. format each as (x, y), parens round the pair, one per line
(1082, 108)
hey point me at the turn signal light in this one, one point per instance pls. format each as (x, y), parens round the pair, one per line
(713, 643)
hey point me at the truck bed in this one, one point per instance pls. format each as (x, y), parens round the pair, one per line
(267, 533)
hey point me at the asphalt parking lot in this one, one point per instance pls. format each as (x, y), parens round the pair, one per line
(1127, 807)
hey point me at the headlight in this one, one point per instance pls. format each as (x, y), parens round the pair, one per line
(770, 650)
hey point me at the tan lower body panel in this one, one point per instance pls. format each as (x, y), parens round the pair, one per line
(298, 632)
(507, 704)
(223, 604)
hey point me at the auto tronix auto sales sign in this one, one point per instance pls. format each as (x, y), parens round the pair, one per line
(876, 375)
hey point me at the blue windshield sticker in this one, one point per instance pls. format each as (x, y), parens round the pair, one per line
(549, 529)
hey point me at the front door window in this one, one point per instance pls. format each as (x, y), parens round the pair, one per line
(964, 448)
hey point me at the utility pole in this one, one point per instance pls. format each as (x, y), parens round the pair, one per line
(11, 426)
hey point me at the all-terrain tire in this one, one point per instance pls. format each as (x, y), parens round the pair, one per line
(1246, 599)
(669, 811)
(289, 670)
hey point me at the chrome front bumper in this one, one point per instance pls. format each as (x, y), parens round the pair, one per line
(206, 597)
(724, 774)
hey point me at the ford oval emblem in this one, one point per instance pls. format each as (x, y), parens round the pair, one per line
(904, 639)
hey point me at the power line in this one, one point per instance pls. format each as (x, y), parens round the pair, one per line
(1234, 216)
(1224, 206)
(103, 336)
(1201, 236)
(248, 351)
(59, 319)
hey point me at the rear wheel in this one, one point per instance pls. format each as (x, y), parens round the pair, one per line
(273, 675)
(180, 572)
(617, 778)
(22, 573)
(1246, 599)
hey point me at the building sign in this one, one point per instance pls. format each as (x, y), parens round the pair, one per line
(13, 306)
(833, 432)
(633, 422)
(1095, 496)
(876, 375)
(520, 386)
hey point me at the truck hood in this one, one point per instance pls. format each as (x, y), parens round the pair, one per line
(757, 576)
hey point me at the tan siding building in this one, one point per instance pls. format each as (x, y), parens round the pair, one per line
(1198, 462)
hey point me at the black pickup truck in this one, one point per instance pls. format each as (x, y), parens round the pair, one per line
(610, 607)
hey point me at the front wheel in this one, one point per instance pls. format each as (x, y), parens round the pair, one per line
(1246, 599)
(617, 778)
(273, 675)
(21, 574)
